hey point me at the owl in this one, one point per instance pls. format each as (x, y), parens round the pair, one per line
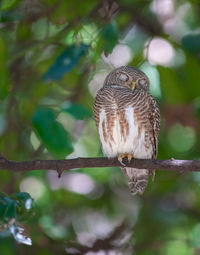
(128, 122)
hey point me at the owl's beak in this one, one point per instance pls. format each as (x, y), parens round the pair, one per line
(133, 84)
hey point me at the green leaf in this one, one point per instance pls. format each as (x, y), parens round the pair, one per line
(76, 110)
(7, 4)
(51, 133)
(180, 85)
(110, 37)
(23, 31)
(15, 205)
(65, 62)
(171, 86)
(24, 199)
(191, 42)
(9, 16)
(7, 208)
(190, 74)
(4, 81)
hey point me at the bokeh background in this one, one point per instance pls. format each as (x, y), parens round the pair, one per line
(54, 56)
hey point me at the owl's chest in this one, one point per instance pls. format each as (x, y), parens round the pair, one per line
(121, 132)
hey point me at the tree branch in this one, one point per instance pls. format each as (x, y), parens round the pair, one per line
(60, 165)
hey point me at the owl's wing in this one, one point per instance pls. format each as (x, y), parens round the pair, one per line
(147, 114)
(98, 105)
(104, 99)
(147, 118)
(154, 118)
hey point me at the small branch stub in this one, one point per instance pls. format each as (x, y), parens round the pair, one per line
(59, 171)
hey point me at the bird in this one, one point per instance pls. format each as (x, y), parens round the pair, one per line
(128, 122)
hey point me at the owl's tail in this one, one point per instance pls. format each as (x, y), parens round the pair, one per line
(137, 179)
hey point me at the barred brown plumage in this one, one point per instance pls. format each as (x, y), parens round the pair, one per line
(128, 121)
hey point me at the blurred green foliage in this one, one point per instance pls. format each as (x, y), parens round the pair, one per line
(46, 126)
(54, 55)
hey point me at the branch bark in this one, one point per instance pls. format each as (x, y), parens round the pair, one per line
(61, 165)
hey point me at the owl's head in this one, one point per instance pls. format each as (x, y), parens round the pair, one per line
(128, 77)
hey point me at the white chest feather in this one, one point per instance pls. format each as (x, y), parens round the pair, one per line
(121, 135)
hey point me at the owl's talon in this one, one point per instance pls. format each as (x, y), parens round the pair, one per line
(129, 157)
(121, 157)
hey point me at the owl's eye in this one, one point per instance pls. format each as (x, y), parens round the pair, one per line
(142, 82)
(123, 77)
